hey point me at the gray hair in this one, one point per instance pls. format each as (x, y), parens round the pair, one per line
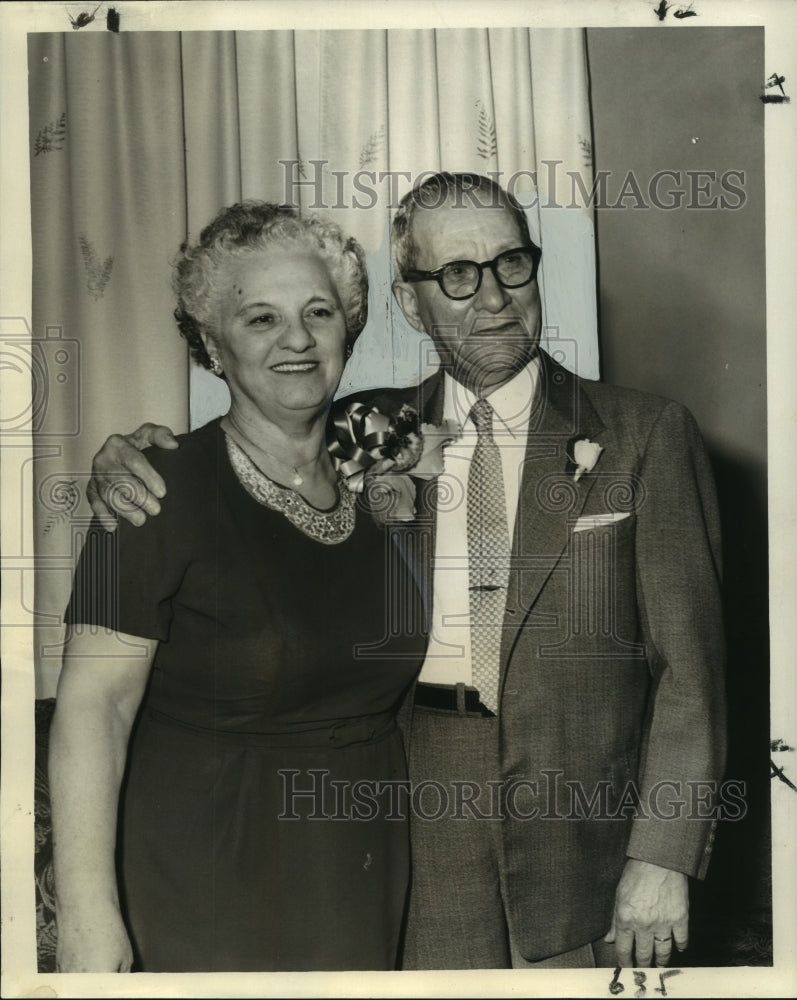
(433, 192)
(201, 269)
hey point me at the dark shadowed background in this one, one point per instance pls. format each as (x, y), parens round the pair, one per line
(682, 303)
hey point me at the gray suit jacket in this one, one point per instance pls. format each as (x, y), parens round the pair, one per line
(612, 710)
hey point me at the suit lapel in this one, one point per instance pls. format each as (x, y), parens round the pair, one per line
(415, 540)
(432, 396)
(550, 500)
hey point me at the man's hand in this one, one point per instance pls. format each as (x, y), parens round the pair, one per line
(651, 911)
(122, 480)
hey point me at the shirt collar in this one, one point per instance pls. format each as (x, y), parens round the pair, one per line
(512, 401)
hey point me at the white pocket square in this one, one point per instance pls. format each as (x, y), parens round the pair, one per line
(599, 520)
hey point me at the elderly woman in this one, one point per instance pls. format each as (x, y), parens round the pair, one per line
(227, 710)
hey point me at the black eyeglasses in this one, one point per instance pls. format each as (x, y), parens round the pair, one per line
(459, 279)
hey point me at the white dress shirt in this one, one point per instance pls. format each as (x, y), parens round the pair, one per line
(448, 657)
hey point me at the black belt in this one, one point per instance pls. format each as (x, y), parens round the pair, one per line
(449, 698)
(361, 729)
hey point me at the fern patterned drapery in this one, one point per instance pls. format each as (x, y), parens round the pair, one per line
(138, 138)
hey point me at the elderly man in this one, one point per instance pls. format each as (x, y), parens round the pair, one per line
(566, 735)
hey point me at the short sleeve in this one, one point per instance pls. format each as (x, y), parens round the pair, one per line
(127, 580)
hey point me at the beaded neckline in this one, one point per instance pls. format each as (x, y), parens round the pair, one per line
(330, 527)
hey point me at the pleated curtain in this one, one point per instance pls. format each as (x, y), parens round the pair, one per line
(137, 139)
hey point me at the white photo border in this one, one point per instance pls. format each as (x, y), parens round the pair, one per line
(779, 19)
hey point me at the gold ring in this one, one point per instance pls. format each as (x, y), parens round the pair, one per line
(662, 939)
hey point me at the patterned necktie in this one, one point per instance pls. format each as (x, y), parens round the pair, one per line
(488, 555)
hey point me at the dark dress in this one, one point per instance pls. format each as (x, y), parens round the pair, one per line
(262, 823)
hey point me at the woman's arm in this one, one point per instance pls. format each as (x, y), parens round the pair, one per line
(99, 691)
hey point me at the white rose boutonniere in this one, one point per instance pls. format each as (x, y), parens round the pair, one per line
(582, 456)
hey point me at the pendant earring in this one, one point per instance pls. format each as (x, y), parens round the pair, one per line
(349, 350)
(215, 367)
